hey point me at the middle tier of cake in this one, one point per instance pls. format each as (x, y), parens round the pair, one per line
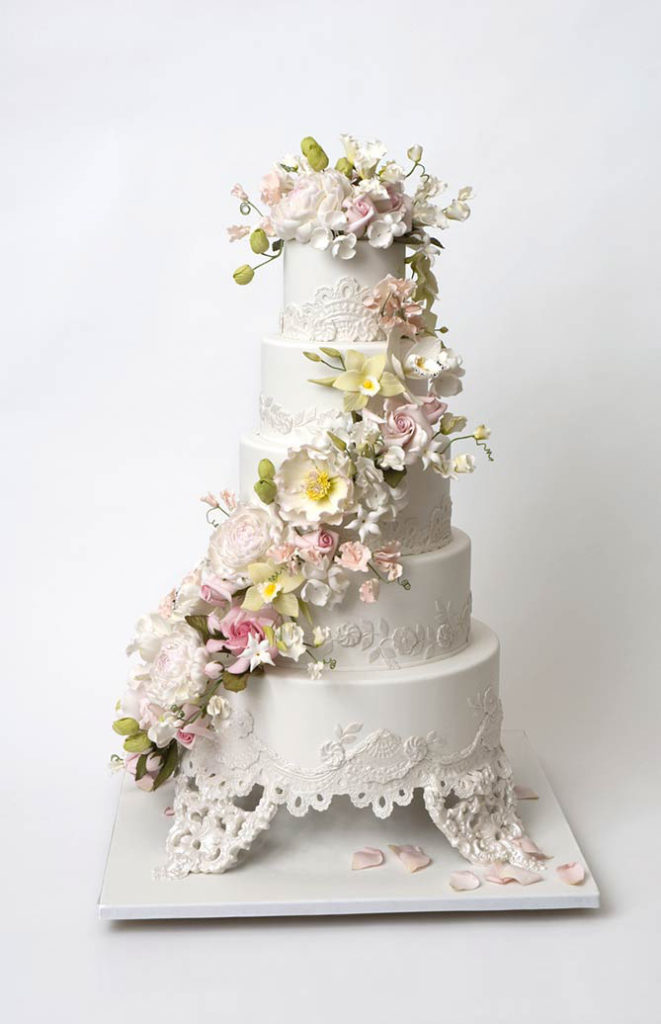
(423, 525)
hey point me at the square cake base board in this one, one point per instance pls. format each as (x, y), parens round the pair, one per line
(302, 866)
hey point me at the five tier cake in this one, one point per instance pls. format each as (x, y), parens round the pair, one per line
(324, 646)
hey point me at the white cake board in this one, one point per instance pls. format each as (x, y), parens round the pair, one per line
(301, 866)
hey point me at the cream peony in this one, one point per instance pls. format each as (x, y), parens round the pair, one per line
(174, 663)
(315, 202)
(241, 539)
(314, 486)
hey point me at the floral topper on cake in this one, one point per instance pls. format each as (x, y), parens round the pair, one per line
(364, 197)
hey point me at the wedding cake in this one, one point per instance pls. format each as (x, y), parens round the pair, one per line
(324, 646)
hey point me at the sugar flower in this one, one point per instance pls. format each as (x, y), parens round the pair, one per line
(406, 426)
(258, 652)
(463, 463)
(240, 540)
(314, 486)
(387, 560)
(289, 640)
(354, 556)
(236, 232)
(272, 585)
(174, 660)
(365, 377)
(364, 156)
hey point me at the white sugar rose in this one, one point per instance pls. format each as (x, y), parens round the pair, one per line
(315, 202)
(241, 539)
(173, 671)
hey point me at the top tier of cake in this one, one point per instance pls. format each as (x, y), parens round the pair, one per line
(306, 270)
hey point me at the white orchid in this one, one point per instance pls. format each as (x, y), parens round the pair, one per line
(365, 156)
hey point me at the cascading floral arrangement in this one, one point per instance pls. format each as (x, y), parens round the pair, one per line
(312, 532)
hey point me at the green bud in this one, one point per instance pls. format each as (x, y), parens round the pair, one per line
(266, 469)
(244, 274)
(266, 491)
(137, 743)
(312, 356)
(344, 166)
(332, 353)
(315, 155)
(259, 242)
(414, 153)
(125, 726)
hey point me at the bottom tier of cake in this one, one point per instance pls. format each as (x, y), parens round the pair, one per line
(374, 737)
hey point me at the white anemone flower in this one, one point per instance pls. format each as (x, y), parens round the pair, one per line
(314, 486)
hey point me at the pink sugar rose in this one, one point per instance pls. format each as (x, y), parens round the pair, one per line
(238, 626)
(360, 212)
(433, 409)
(354, 556)
(406, 426)
(369, 591)
(318, 544)
(387, 560)
(187, 739)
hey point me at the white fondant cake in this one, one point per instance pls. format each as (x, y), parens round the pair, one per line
(325, 646)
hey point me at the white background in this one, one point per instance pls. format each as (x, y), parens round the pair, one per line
(129, 367)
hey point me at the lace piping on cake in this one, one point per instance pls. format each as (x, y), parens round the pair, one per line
(279, 420)
(336, 313)
(468, 793)
(416, 536)
(446, 634)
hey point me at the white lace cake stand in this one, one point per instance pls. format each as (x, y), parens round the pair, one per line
(229, 789)
(303, 866)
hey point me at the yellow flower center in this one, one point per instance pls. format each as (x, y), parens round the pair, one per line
(318, 484)
(270, 590)
(369, 386)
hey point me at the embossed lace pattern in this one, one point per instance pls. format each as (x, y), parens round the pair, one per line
(416, 536)
(278, 420)
(336, 313)
(468, 793)
(445, 634)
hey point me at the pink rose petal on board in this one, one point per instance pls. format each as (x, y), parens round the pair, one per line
(501, 874)
(169, 812)
(572, 873)
(368, 857)
(413, 858)
(528, 845)
(525, 793)
(463, 881)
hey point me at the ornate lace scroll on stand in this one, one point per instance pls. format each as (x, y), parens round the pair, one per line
(229, 791)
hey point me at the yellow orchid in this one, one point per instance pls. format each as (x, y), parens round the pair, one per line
(272, 585)
(364, 377)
